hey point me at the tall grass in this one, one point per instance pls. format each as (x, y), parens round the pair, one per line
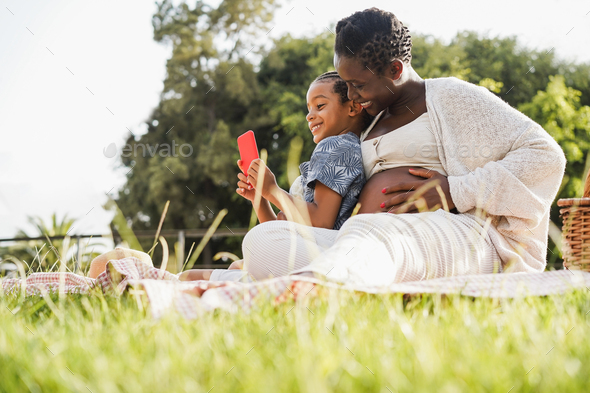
(334, 341)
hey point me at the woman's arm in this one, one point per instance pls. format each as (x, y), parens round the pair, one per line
(512, 167)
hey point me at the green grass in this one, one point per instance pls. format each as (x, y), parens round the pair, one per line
(337, 341)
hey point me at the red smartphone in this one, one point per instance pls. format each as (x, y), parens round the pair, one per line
(248, 149)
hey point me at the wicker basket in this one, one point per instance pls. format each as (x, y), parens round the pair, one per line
(575, 213)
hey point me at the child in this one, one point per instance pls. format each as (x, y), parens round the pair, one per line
(331, 181)
(333, 178)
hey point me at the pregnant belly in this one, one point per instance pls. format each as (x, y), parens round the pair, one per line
(371, 196)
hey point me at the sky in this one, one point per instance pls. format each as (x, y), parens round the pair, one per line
(77, 76)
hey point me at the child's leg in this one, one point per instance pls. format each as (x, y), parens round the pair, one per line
(195, 274)
(236, 275)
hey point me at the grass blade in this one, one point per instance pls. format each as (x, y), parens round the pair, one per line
(162, 217)
(190, 263)
(164, 257)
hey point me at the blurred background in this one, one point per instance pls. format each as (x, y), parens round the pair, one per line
(110, 109)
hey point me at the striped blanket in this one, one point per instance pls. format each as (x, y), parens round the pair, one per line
(190, 299)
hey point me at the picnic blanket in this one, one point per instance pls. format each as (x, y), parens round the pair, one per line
(166, 293)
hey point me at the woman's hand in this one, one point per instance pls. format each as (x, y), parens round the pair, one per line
(262, 178)
(428, 186)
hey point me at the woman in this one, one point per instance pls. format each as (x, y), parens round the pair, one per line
(496, 168)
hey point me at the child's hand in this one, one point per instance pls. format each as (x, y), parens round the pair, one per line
(257, 170)
(244, 189)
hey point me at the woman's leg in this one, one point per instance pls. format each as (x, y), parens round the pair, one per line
(277, 248)
(380, 249)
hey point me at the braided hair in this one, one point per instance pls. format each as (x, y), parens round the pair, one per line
(339, 86)
(375, 37)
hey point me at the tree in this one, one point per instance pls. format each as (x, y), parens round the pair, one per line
(431, 58)
(188, 155)
(559, 112)
(474, 57)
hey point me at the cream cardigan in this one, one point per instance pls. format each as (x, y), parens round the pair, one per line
(501, 165)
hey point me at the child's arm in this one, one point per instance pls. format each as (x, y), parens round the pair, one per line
(263, 210)
(322, 212)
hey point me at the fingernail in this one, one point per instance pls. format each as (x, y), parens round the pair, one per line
(384, 190)
(382, 205)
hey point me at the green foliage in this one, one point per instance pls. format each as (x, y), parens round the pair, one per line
(474, 57)
(577, 76)
(431, 58)
(558, 111)
(208, 93)
(501, 59)
(491, 85)
(48, 255)
(220, 168)
(121, 228)
(337, 341)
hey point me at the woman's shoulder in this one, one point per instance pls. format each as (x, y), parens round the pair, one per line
(454, 97)
(451, 87)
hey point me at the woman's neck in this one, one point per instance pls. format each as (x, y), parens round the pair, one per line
(412, 92)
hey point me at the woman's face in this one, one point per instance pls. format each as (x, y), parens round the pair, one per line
(327, 115)
(374, 92)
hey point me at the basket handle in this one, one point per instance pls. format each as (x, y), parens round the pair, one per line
(587, 186)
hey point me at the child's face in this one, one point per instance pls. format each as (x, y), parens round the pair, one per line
(327, 115)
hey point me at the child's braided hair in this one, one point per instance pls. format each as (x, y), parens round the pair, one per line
(375, 37)
(339, 86)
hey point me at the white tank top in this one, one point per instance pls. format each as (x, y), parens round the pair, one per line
(412, 144)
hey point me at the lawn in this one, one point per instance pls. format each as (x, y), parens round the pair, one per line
(334, 341)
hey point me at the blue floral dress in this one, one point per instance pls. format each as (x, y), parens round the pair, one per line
(337, 163)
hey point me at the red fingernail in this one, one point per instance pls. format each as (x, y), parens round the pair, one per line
(382, 205)
(384, 190)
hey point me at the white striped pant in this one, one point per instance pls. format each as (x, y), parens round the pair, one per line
(373, 249)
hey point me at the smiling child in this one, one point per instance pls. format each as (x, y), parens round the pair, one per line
(333, 178)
